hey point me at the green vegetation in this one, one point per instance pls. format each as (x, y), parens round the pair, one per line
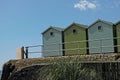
(67, 70)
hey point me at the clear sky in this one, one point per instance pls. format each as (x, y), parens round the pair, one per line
(23, 21)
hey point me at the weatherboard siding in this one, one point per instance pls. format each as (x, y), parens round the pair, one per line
(71, 37)
(105, 32)
(52, 44)
(118, 35)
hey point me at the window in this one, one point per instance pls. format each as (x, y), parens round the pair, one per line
(51, 33)
(99, 27)
(74, 30)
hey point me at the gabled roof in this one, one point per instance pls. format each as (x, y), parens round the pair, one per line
(77, 24)
(51, 27)
(117, 22)
(99, 20)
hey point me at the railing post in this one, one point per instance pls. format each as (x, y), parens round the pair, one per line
(23, 52)
(26, 52)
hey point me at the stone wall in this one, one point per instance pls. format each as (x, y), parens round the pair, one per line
(13, 66)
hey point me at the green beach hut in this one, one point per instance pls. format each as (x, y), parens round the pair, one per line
(75, 37)
(52, 42)
(118, 35)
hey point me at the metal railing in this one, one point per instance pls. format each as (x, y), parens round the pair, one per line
(27, 50)
(77, 46)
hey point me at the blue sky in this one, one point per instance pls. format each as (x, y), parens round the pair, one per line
(23, 21)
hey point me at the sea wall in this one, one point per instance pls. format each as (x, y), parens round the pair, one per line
(24, 66)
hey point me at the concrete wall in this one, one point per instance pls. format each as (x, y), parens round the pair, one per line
(105, 32)
(20, 53)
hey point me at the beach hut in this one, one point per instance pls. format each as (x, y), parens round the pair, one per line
(100, 36)
(52, 41)
(75, 37)
(118, 35)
